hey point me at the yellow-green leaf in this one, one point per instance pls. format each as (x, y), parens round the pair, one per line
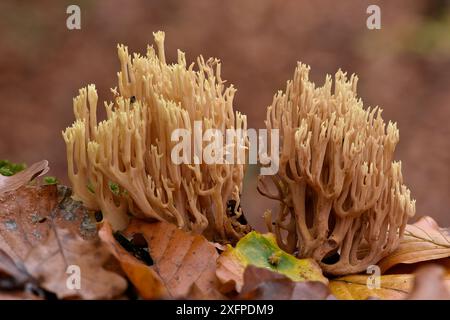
(261, 250)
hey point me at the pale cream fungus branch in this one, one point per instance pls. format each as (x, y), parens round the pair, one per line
(131, 149)
(341, 195)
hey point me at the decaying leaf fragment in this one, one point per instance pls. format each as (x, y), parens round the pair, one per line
(264, 284)
(261, 250)
(422, 241)
(430, 284)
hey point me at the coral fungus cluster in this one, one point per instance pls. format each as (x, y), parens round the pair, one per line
(123, 165)
(342, 199)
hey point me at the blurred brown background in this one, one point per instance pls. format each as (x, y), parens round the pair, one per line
(404, 68)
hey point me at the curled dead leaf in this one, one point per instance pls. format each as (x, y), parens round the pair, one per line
(422, 241)
(14, 182)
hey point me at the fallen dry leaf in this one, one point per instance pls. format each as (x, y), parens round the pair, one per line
(14, 182)
(429, 284)
(148, 283)
(264, 284)
(422, 241)
(261, 250)
(40, 236)
(24, 221)
(392, 287)
(50, 260)
(29, 213)
(181, 260)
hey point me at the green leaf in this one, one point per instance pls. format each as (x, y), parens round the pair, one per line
(50, 180)
(5, 171)
(8, 168)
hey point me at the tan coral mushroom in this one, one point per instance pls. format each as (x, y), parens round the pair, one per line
(131, 149)
(340, 192)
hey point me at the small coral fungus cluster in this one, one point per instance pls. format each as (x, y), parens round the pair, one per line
(342, 199)
(123, 164)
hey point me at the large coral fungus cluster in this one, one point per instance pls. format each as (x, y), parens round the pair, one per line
(123, 164)
(342, 199)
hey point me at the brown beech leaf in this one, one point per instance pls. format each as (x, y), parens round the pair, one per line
(181, 260)
(21, 178)
(422, 241)
(50, 261)
(263, 284)
(29, 213)
(430, 284)
(24, 219)
(148, 283)
(392, 287)
(42, 232)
